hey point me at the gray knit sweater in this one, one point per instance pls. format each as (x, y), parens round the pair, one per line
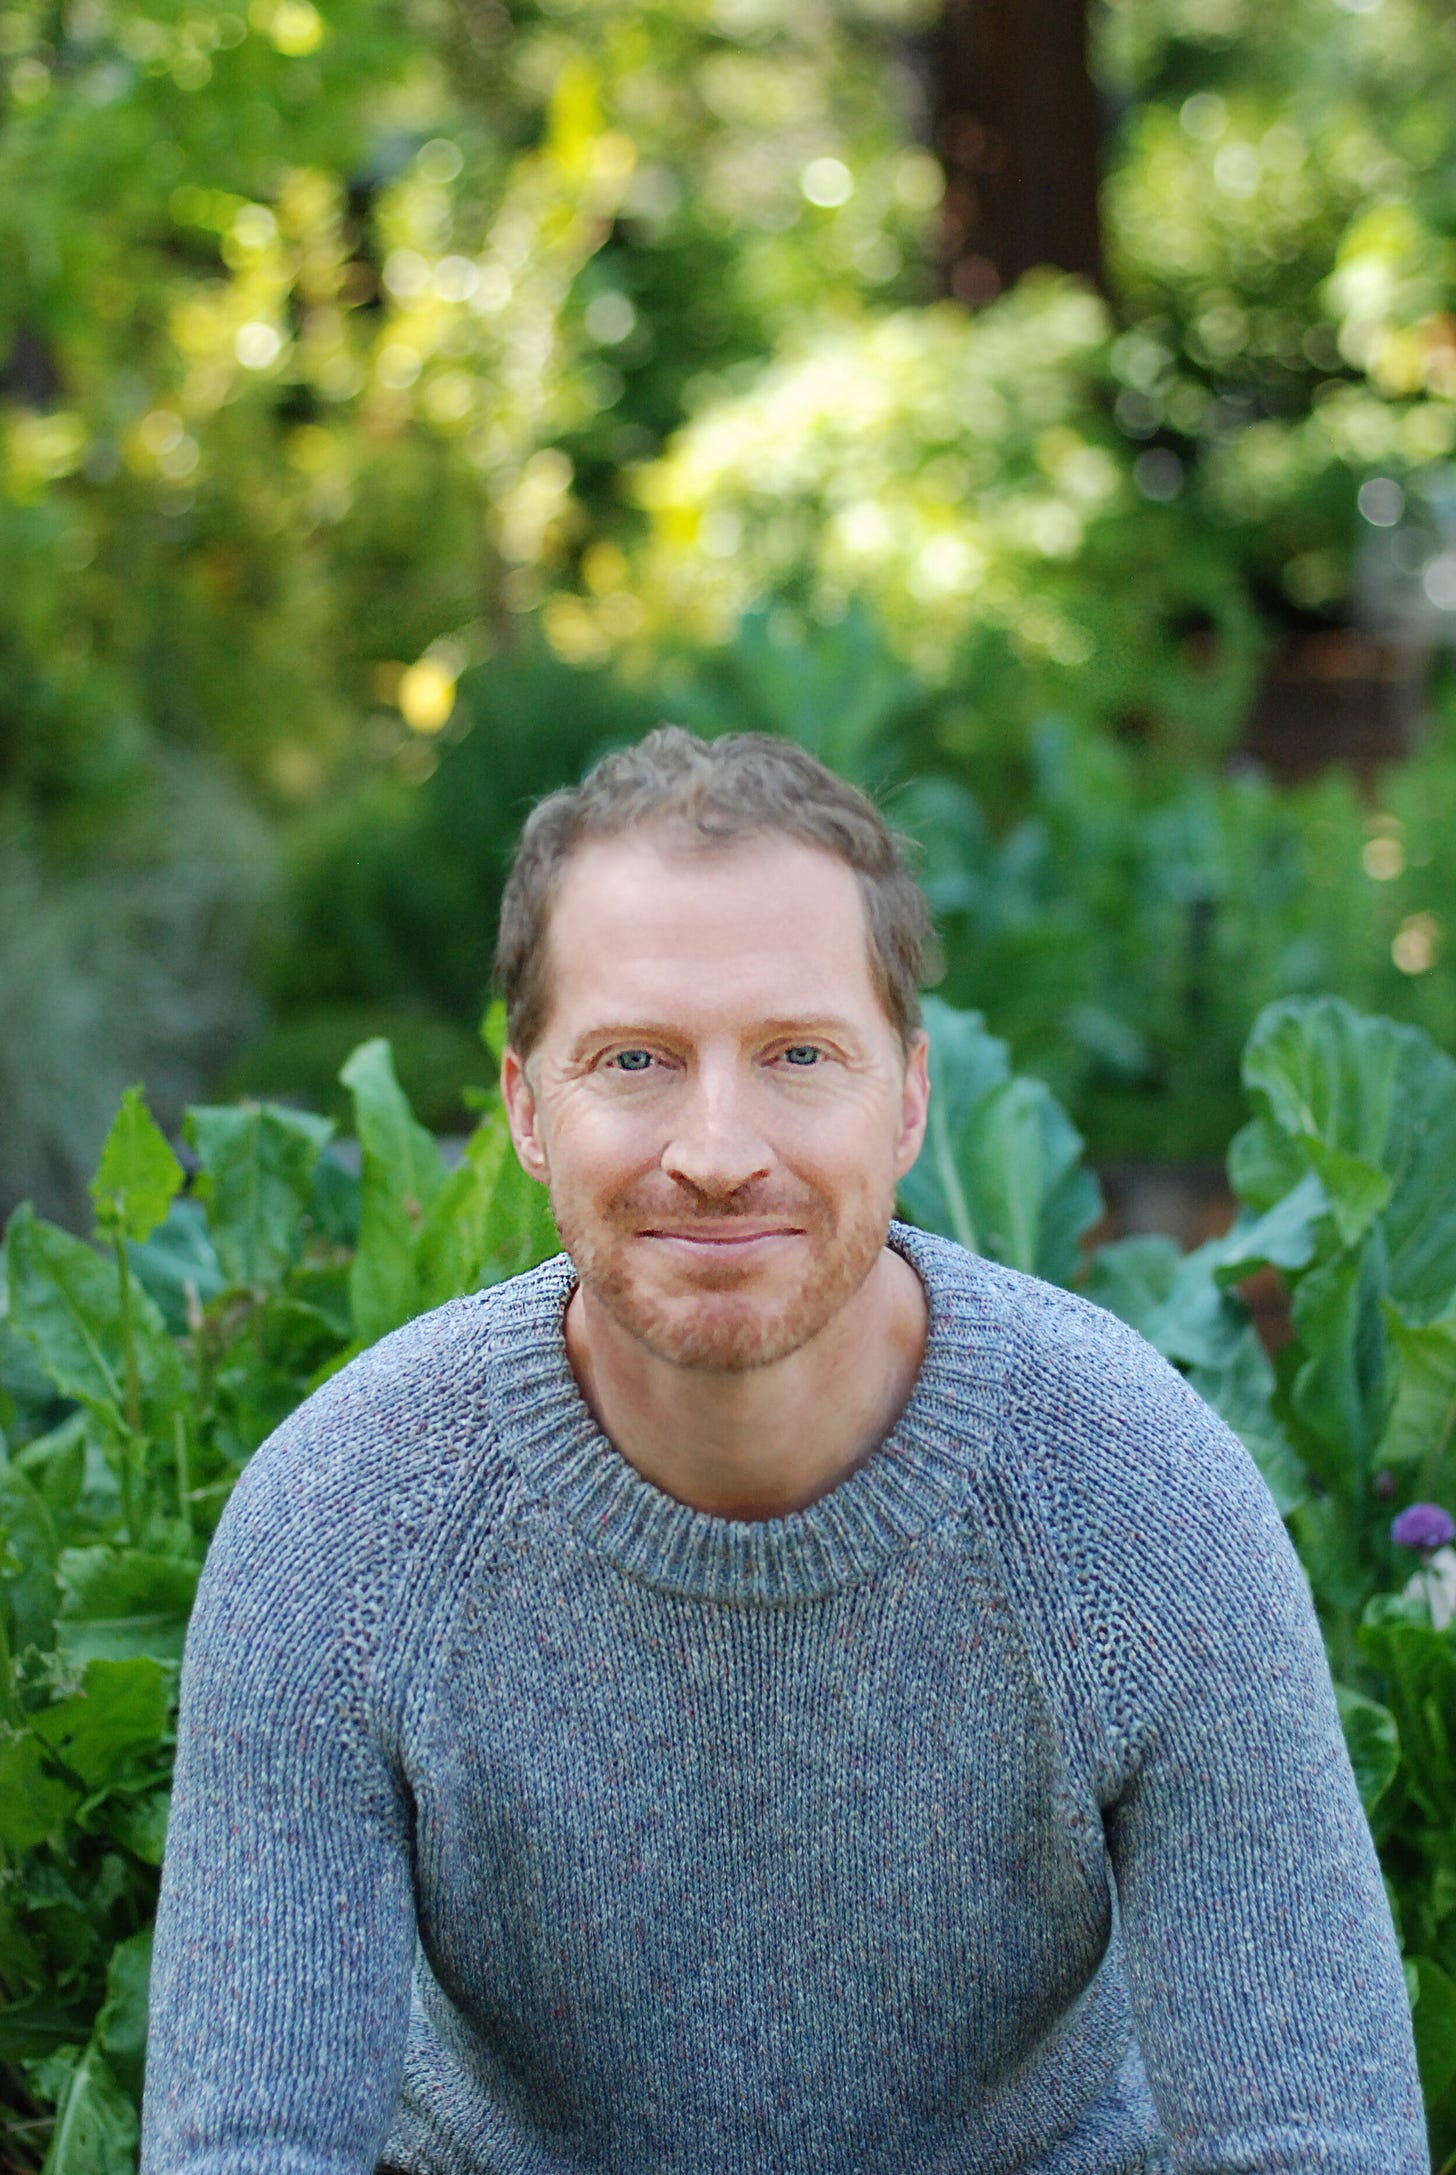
(990, 1814)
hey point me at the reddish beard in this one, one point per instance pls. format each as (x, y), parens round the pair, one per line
(721, 1318)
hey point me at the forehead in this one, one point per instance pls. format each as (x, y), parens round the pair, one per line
(649, 919)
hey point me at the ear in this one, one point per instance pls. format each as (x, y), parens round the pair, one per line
(521, 1115)
(914, 1103)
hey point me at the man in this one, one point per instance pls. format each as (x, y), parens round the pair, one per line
(767, 1692)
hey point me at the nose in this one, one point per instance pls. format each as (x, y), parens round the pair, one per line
(716, 1146)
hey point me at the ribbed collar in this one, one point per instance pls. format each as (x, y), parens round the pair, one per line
(914, 1480)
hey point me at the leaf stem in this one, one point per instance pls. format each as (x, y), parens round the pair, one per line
(131, 1391)
(184, 1475)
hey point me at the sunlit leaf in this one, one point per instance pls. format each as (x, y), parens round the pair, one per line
(138, 1174)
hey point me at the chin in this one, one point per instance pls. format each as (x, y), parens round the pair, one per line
(715, 1338)
(725, 1331)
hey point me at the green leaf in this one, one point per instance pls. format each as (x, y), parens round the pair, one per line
(138, 1174)
(1370, 1106)
(33, 1799)
(31, 2030)
(1373, 1743)
(66, 1298)
(96, 2123)
(493, 1030)
(57, 1469)
(1341, 1391)
(119, 1714)
(121, 2027)
(1169, 1297)
(119, 1603)
(1418, 1665)
(489, 1221)
(63, 1296)
(1283, 1236)
(1433, 2018)
(402, 1172)
(258, 1169)
(1356, 1192)
(1001, 1169)
(139, 1824)
(520, 1230)
(966, 1065)
(1422, 1418)
(26, 1522)
(179, 1254)
(452, 1240)
(1329, 1547)
(1325, 1072)
(1263, 1164)
(1133, 1278)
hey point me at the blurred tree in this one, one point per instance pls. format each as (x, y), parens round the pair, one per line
(1018, 129)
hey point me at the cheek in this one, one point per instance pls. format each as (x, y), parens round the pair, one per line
(597, 1149)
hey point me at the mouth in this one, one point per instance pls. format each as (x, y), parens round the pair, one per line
(707, 1240)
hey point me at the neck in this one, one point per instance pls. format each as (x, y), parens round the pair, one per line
(770, 1440)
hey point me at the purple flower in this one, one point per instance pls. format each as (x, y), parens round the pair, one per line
(1424, 1526)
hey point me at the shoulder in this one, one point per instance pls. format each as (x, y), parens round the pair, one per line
(1092, 1423)
(1054, 1357)
(1136, 1536)
(399, 1440)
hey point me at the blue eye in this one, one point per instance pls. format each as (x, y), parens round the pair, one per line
(802, 1053)
(632, 1060)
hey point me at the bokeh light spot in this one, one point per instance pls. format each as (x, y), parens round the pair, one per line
(827, 182)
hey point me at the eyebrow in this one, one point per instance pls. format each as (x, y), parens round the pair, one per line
(823, 1023)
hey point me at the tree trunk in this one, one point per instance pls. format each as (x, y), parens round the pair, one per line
(1017, 129)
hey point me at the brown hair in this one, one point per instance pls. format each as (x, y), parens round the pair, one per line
(738, 786)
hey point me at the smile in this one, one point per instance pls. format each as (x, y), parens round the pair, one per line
(721, 1242)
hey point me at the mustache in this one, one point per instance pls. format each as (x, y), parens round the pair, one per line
(746, 1207)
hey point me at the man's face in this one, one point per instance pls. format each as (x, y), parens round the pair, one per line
(718, 1103)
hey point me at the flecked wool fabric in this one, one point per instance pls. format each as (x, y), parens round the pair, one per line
(990, 1814)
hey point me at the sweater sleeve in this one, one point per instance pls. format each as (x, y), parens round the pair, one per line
(1265, 1976)
(285, 1932)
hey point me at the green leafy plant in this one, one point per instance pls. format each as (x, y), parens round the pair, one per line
(1344, 1181)
(138, 1372)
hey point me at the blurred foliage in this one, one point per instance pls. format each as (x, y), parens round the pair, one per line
(1119, 920)
(1280, 226)
(138, 1373)
(400, 402)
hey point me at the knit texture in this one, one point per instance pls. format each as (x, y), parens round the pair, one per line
(992, 1813)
